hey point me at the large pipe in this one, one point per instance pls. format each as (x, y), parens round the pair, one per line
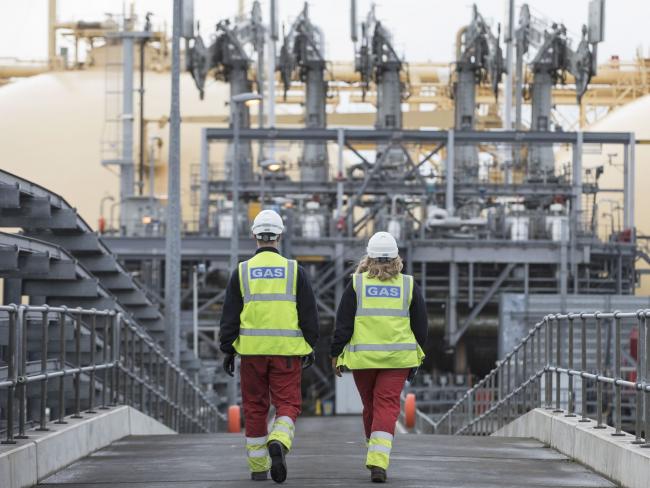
(51, 32)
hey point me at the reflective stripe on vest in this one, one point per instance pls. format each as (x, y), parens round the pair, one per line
(270, 332)
(382, 347)
(382, 312)
(269, 297)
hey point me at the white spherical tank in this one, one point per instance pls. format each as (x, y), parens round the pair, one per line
(52, 125)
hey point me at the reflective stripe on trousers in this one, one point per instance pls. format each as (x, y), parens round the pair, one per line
(379, 447)
(287, 296)
(258, 454)
(283, 431)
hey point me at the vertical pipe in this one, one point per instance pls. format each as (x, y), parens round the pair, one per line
(44, 346)
(142, 377)
(576, 207)
(449, 175)
(234, 236)
(127, 183)
(141, 131)
(628, 183)
(510, 34)
(173, 228)
(195, 311)
(204, 176)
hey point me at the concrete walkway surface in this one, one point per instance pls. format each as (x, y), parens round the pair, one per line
(328, 452)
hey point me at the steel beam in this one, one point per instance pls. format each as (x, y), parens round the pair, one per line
(62, 288)
(417, 136)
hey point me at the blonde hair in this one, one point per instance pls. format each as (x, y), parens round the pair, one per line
(381, 270)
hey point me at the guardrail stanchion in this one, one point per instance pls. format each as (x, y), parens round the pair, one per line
(558, 364)
(617, 386)
(21, 328)
(77, 376)
(93, 363)
(44, 383)
(12, 376)
(640, 372)
(105, 336)
(62, 360)
(646, 384)
(142, 375)
(599, 367)
(583, 366)
(571, 407)
(548, 377)
(132, 367)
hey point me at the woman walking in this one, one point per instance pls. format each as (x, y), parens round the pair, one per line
(381, 328)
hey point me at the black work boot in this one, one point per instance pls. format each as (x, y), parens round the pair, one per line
(278, 464)
(260, 475)
(377, 474)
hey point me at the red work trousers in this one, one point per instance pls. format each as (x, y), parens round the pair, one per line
(267, 380)
(380, 393)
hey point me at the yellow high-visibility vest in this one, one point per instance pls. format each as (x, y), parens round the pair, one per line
(382, 335)
(269, 318)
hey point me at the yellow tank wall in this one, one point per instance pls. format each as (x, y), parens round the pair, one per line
(51, 127)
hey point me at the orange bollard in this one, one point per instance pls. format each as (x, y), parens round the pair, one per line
(409, 411)
(234, 419)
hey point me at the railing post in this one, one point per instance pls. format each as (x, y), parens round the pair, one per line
(571, 407)
(93, 344)
(583, 363)
(105, 373)
(599, 367)
(77, 375)
(142, 376)
(548, 399)
(640, 377)
(62, 361)
(44, 347)
(12, 375)
(558, 361)
(22, 372)
(617, 372)
(646, 399)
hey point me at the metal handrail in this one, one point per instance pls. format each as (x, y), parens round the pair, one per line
(515, 385)
(121, 363)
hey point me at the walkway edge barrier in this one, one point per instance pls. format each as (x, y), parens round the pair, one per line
(31, 460)
(613, 456)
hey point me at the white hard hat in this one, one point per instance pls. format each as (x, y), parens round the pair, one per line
(382, 245)
(267, 222)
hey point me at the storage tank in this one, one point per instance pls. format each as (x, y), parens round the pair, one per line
(632, 117)
(51, 128)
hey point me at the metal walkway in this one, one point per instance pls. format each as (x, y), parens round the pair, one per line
(328, 452)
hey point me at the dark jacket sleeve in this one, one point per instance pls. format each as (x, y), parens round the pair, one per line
(232, 307)
(348, 309)
(418, 314)
(344, 321)
(307, 310)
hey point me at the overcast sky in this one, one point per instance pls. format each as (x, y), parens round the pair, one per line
(423, 29)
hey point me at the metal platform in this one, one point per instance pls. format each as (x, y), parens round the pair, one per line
(328, 452)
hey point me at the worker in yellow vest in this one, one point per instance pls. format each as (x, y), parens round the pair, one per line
(381, 328)
(269, 318)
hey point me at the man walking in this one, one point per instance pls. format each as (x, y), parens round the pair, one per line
(270, 319)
